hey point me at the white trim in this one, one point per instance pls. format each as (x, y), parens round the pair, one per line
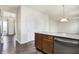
(18, 41)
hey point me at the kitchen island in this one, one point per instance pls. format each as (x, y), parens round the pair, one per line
(44, 41)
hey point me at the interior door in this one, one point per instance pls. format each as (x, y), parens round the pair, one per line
(11, 26)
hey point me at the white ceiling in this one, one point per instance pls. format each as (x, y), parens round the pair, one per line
(9, 6)
(12, 8)
(71, 11)
(56, 11)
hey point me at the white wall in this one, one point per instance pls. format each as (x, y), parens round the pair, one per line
(68, 27)
(52, 25)
(18, 25)
(42, 23)
(30, 21)
(72, 26)
(27, 25)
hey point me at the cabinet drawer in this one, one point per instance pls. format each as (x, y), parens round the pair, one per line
(48, 37)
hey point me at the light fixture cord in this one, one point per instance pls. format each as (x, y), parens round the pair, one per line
(63, 11)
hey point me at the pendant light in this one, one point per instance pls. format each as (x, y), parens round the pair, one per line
(64, 19)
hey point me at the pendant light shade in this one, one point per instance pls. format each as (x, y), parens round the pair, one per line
(64, 19)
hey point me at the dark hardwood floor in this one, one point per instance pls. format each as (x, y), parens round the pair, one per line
(28, 48)
(9, 45)
(1, 45)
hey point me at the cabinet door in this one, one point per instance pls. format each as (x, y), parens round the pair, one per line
(38, 41)
(48, 44)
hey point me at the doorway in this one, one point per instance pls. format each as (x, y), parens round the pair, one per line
(8, 23)
(11, 26)
(5, 27)
(8, 26)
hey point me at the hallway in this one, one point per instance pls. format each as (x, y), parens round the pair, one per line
(9, 45)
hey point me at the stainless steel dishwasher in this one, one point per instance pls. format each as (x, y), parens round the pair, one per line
(66, 46)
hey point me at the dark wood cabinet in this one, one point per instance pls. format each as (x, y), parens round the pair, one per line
(48, 44)
(44, 42)
(38, 41)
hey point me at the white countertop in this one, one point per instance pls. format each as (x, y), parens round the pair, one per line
(60, 34)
